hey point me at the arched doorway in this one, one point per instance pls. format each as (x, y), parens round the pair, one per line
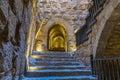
(57, 38)
(53, 32)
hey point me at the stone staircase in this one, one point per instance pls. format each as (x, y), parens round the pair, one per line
(56, 66)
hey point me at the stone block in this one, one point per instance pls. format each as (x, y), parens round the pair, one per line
(58, 15)
(66, 16)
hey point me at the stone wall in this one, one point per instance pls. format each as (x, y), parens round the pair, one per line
(102, 20)
(90, 47)
(109, 45)
(14, 25)
(71, 13)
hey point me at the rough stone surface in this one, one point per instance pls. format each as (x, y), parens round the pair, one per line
(69, 13)
(101, 25)
(91, 46)
(74, 11)
(14, 25)
(16, 16)
(109, 41)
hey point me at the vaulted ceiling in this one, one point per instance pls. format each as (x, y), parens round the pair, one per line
(109, 45)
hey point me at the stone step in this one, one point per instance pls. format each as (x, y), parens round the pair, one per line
(50, 56)
(53, 63)
(60, 78)
(55, 55)
(52, 53)
(52, 59)
(43, 73)
(57, 67)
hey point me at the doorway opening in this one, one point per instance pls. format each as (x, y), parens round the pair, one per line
(57, 38)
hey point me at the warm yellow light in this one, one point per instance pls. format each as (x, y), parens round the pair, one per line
(40, 29)
(39, 47)
(57, 39)
(36, 56)
(33, 68)
(73, 47)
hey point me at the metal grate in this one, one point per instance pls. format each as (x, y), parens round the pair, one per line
(106, 69)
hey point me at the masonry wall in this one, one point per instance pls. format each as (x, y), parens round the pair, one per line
(71, 13)
(14, 26)
(90, 47)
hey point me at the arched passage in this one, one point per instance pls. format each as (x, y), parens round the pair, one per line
(109, 43)
(53, 32)
(57, 38)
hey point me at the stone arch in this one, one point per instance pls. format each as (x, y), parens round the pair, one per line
(109, 40)
(57, 37)
(43, 33)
